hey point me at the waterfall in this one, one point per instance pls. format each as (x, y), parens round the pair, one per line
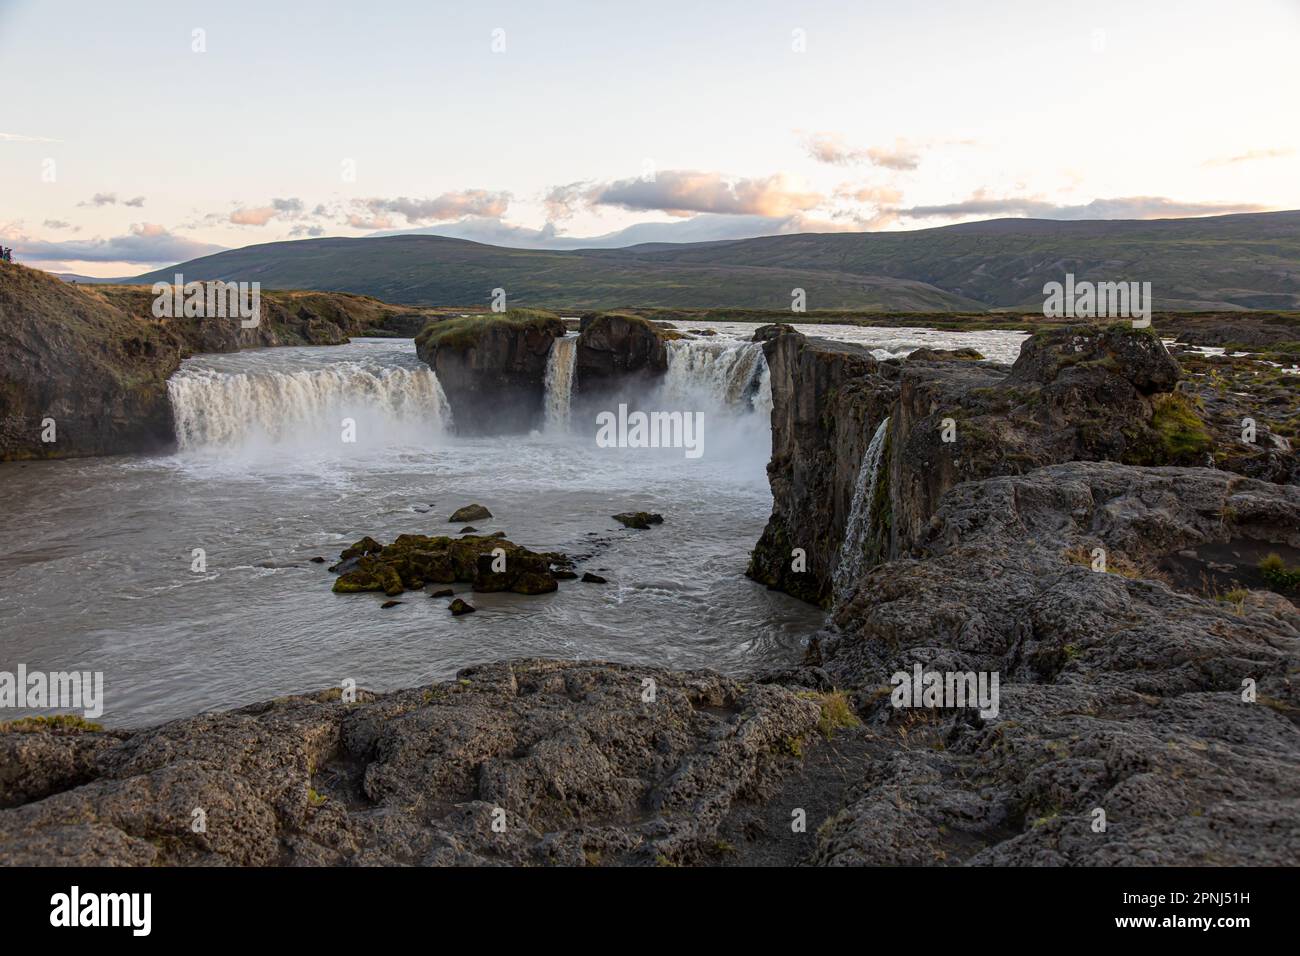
(221, 408)
(733, 374)
(858, 528)
(560, 364)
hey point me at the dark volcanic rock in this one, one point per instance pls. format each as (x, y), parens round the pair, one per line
(459, 607)
(827, 399)
(617, 353)
(492, 368)
(491, 563)
(1074, 394)
(589, 578)
(639, 520)
(523, 762)
(1117, 693)
(69, 356)
(1058, 355)
(470, 513)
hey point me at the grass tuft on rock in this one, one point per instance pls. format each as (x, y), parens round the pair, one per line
(463, 332)
(1179, 428)
(54, 722)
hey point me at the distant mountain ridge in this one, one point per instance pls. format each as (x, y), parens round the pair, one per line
(1246, 261)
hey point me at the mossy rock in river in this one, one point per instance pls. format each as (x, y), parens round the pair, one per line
(474, 512)
(639, 520)
(488, 562)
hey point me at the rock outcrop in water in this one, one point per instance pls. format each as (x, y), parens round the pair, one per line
(618, 352)
(492, 368)
(489, 562)
(95, 361)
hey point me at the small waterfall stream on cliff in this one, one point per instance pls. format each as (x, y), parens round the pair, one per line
(858, 528)
(560, 365)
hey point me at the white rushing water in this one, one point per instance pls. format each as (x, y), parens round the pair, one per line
(858, 528)
(732, 374)
(560, 365)
(884, 343)
(305, 396)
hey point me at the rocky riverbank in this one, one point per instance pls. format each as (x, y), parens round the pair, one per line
(84, 369)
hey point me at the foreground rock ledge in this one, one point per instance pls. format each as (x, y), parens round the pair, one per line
(566, 758)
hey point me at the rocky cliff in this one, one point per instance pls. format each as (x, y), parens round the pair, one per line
(1074, 394)
(95, 361)
(492, 367)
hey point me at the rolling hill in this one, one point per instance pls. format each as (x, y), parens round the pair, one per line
(1247, 261)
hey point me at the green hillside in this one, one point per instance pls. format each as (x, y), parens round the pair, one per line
(1223, 262)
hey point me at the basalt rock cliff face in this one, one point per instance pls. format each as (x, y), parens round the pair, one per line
(827, 400)
(619, 358)
(616, 350)
(1074, 394)
(78, 370)
(96, 361)
(492, 368)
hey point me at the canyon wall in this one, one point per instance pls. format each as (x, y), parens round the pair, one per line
(95, 361)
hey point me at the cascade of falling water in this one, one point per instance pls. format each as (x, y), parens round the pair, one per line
(858, 528)
(732, 374)
(560, 364)
(212, 408)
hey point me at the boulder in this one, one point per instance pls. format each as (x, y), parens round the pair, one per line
(489, 563)
(474, 512)
(639, 520)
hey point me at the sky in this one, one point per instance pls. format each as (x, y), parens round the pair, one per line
(141, 134)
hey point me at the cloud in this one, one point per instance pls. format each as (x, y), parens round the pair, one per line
(110, 199)
(1130, 207)
(256, 216)
(1250, 156)
(562, 202)
(682, 192)
(448, 206)
(705, 227)
(309, 231)
(372, 222)
(831, 148)
(292, 208)
(147, 243)
(871, 195)
(21, 138)
(100, 199)
(60, 224)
